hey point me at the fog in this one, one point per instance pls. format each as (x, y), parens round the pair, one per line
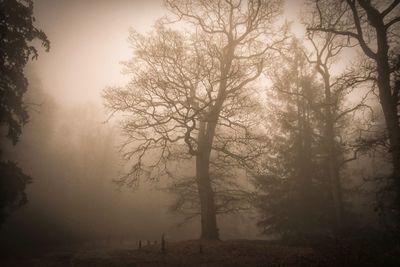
(70, 147)
(72, 153)
(89, 126)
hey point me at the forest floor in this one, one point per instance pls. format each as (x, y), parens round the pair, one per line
(216, 254)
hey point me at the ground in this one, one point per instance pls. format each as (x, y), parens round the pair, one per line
(210, 253)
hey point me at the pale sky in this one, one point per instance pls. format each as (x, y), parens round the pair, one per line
(89, 39)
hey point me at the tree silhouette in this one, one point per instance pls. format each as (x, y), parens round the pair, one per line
(188, 87)
(17, 34)
(292, 187)
(373, 26)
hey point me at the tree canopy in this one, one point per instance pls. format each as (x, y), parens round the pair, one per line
(191, 89)
(18, 33)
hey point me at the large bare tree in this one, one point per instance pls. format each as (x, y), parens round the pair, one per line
(192, 87)
(373, 25)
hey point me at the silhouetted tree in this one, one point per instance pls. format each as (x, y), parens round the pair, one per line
(301, 191)
(17, 32)
(374, 27)
(186, 87)
(292, 189)
(12, 188)
(326, 49)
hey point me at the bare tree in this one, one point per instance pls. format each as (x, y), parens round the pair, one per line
(327, 47)
(372, 26)
(189, 86)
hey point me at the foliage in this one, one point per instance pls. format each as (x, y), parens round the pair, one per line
(373, 26)
(191, 95)
(12, 188)
(17, 32)
(292, 188)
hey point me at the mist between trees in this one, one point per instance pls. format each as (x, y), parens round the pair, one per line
(196, 97)
(72, 154)
(230, 127)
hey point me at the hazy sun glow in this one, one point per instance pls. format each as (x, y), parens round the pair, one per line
(89, 40)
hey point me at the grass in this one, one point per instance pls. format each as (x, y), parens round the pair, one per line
(218, 254)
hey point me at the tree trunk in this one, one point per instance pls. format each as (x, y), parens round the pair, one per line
(389, 108)
(335, 185)
(207, 206)
(387, 99)
(304, 157)
(333, 168)
(209, 228)
(207, 129)
(330, 148)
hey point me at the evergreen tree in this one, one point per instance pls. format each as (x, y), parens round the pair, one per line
(293, 189)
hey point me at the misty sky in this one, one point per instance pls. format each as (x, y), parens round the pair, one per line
(89, 39)
(74, 157)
